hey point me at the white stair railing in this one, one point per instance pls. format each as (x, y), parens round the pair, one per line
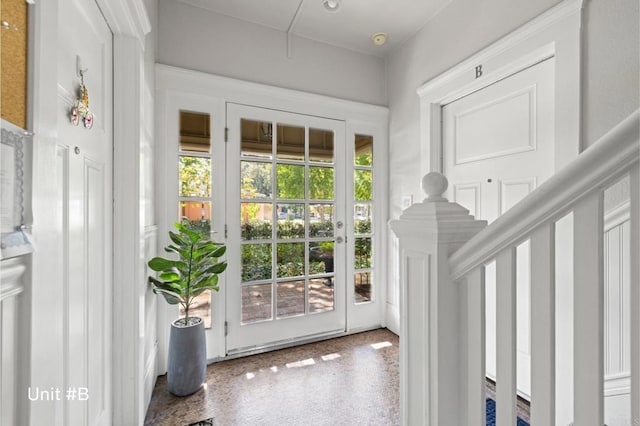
(443, 252)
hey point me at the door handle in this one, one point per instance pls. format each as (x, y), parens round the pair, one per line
(339, 240)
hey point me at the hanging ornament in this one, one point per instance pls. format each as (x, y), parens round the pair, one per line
(81, 107)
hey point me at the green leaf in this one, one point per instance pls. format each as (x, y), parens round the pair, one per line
(171, 276)
(220, 251)
(192, 235)
(159, 264)
(218, 268)
(178, 240)
(170, 286)
(169, 296)
(206, 281)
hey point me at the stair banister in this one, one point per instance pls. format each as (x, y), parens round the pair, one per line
(443, 251)
(602, 164)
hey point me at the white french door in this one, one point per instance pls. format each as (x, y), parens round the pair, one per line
(286, 230)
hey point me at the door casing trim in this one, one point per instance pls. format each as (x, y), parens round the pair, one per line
(556, 33)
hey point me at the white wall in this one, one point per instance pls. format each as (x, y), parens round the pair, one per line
(611, 89)
(467, 26)
(194, 38)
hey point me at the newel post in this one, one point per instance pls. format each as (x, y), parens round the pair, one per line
(430, 359)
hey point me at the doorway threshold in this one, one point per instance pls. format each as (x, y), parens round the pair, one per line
(283, 344)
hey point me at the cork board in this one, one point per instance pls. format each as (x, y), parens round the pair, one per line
(13, 57)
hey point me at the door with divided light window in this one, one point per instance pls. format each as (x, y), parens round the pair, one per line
(286, 220)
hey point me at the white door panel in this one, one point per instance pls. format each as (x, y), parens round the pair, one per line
(469, 195)
(85, 173)
(498, 146)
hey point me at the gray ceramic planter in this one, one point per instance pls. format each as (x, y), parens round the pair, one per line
(187, 367)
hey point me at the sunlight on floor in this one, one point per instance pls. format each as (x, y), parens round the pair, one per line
(330, 357)
(303, 363)
(381, 345)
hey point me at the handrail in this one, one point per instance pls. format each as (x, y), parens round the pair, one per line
(601, 164)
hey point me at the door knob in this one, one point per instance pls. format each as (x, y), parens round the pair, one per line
(339, 224)
(339, 240)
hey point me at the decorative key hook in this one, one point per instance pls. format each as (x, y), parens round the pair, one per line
(81, 106)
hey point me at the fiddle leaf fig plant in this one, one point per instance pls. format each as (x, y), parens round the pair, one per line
(195, 271)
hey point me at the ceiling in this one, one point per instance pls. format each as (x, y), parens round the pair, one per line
(351, 27)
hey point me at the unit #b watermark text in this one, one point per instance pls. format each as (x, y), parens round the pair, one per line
(71, 393)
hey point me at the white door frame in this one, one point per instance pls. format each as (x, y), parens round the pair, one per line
(129, 22)
(555, 33)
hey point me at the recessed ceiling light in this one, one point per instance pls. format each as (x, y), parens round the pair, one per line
(379, 38)
(331, 5)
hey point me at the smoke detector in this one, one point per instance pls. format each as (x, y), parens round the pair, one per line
(331, 5)
(379, 38)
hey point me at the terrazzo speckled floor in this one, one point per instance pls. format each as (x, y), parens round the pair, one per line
(352, 380)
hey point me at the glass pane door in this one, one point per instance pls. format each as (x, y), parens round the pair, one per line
(286, 229)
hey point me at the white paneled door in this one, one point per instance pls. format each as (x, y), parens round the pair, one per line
(498, 145)
(84, 165)
(286, 221)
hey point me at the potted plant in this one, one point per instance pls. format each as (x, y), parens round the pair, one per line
(180, 282)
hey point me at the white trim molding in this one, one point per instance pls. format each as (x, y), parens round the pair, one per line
(554, 34)
(129, 23)
(619, 384)
(126, 17)
(617, 216)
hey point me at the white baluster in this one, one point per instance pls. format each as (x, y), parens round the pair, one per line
(476, 352)
(588, 296)
(506, 321)
(635, 295)
(543, 326)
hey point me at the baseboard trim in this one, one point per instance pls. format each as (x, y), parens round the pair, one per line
(150, 375)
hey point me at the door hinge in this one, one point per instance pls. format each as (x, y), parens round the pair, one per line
(226, 328)
(226, 134)
(226, 231)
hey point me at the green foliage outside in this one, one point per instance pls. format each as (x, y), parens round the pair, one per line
(290, 229)
(256, 262)
(255, 180)
(202, 226)
(290, 180)
(195, 177)
(363, 227)
(364, 159)
(256, 230)
(363, 185)
(362, 253)
(290, 185)
(290, 260)
(321, 183)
